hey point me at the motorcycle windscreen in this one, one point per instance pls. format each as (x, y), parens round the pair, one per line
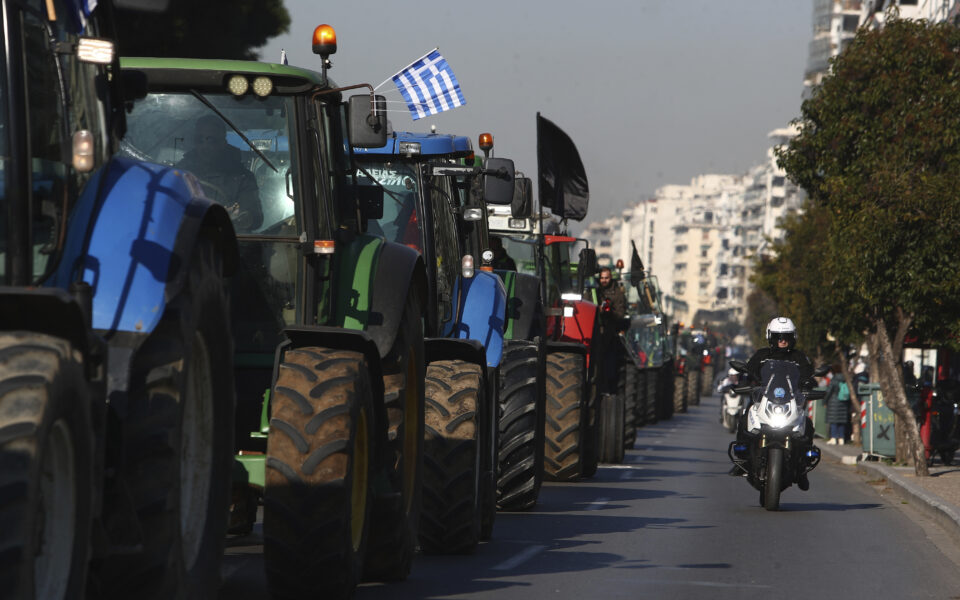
(781, 380)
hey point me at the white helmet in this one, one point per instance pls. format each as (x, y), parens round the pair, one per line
(781, 328)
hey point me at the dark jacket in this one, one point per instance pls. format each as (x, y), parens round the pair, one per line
(838, 411)
(792, 354)
(226, 181)
(618, 300)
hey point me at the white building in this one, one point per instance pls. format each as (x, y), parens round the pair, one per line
(835, 24)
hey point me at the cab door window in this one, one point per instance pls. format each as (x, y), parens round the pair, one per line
(446, 249)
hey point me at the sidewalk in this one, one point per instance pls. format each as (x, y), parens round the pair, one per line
(937, 496)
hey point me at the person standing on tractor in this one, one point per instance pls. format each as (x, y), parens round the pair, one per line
(613, 308)
(782, 339)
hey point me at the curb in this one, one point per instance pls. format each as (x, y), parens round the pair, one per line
(934, 507)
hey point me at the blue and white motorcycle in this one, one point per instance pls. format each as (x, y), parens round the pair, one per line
(775, 453)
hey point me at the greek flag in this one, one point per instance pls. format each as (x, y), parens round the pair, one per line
(429, 86)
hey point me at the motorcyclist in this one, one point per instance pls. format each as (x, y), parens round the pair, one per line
(726, 384)
(782, 339)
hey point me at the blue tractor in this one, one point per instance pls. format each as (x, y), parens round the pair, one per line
(423, 208)
(115, 345)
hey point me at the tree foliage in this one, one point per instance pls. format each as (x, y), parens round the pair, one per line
(226, 29)
(878, 154)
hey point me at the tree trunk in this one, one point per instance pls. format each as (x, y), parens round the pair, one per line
(890, 377)
(854, 397)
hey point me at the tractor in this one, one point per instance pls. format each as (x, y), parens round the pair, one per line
(116, 350)
(328, 316)
(430, 204)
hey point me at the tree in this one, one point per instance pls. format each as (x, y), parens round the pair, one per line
(225, 29)
(879, 153)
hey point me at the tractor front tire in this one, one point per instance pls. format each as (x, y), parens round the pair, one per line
(566, 418)
(520, 455)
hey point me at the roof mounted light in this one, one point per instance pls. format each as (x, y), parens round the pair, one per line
(324, 41)
(95, 50)
(262, 86)
(238, 85)
(486, 141)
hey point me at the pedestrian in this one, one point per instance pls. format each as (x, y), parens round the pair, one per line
(837, 401)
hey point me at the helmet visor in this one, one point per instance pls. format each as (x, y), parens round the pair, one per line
(782, 336)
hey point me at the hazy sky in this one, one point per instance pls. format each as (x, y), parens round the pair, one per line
(651, 91)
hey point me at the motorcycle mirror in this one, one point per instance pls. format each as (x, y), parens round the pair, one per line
(739, 365)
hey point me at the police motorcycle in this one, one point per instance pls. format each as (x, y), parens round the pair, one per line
(774, 454)
(731, 402)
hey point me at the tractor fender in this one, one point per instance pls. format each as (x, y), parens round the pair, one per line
(580, 327)
(523, 304)
(572, 347)
(130, 237)
(397, 273)
(468, 350)
(482, 311)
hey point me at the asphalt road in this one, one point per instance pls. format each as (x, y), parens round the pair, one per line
(670, 523)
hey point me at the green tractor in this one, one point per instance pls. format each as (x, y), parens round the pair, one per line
(328, 319)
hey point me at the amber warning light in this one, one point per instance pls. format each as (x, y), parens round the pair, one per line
(324, 41)
(486, 141)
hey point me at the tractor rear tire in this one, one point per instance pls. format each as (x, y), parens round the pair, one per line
(46, 475)
(611, 428)
(591, 436)
(317, 496)
(566, 416)
(630, 406)
(654, 411)
(693, 388)
(520, 455)
(177, 443)
(393, 535)
(450, 522)
(706, 380)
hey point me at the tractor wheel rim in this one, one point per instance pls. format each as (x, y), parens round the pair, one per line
(196, 451)
(56, 522)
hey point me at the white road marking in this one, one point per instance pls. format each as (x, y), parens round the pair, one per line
(598, 503)
(622, 466)
(520, 558)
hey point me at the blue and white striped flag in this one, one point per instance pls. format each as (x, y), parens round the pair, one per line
(429, 86)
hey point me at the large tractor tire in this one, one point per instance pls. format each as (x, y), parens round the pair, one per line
(591, 436)
(46, 479)
(653, 411)
(693, 387)
(706, 380)
(679, 394)
(396, 517)
(177, 444)
(317, 499)
(629, 383)
(640, 409)
(520, 454)
(611, 419)
(566, 416)
(665, 392)
(451, 520)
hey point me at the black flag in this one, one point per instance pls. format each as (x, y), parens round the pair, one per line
(563, 181)
(636, 266)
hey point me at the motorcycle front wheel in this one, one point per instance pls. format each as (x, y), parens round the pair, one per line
(771, 488)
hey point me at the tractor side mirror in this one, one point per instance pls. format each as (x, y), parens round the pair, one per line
(498, 187)
(522, 205)
(587, 265)
(367, 125)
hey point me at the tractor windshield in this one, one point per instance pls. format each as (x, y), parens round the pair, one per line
(252, 180)
(401, 186)
(523, 253)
